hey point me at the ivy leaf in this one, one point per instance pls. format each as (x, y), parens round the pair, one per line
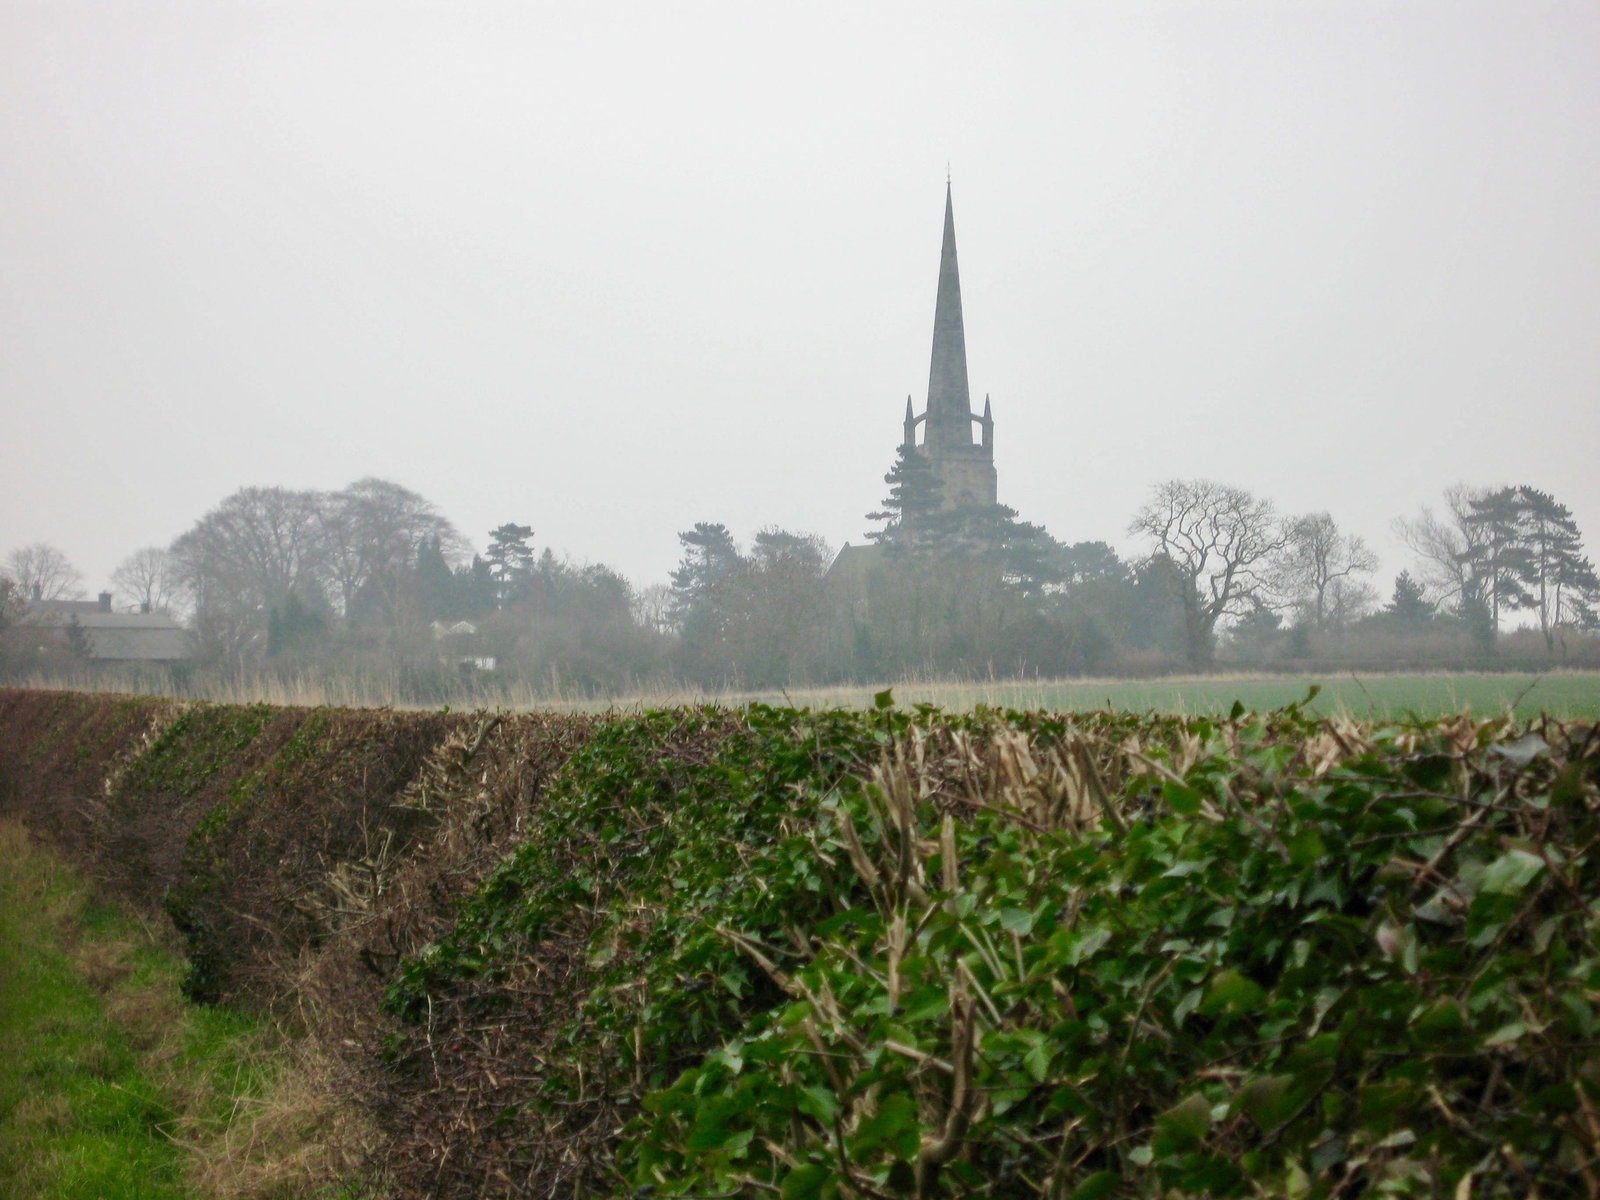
(1511, 872)
(1101, 1183)
(1306, 847)
(1430, 771)
(1231, 993)
(1440, 1020)
(1506, 1034)
(1037, 1060)
(894, 1124)
(804, 1182)
(1185, 1123)
(1266, 1100)
(902, 1177)
(1522, 751)
(1016, 920)
(883, 699)
(716, 1125)
(1180, 798)
(819, 1102)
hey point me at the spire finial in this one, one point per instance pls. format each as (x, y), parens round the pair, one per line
(947, 173)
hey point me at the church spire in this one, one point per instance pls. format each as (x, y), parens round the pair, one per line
(949, 420)
(963, 467)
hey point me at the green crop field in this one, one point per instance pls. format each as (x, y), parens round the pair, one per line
(1568, 695)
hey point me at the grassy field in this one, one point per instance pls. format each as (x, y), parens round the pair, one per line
(1373, 697)
(1572, 695)
(111, 1086)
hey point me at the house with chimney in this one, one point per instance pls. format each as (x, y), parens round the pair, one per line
(106, 636)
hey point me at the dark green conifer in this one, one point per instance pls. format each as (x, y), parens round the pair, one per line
(709, 558)
(1409, 605)
(510, 561)
(435, 584)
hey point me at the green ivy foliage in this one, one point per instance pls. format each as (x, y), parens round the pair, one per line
(193, 747)
(909, 954)
(1380, 979)
(659, 829)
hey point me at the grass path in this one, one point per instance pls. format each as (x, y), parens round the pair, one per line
(112, 1087)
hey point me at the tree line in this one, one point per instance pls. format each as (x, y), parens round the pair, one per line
(375, 573)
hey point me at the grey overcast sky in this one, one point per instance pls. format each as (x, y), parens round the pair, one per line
(610, 269)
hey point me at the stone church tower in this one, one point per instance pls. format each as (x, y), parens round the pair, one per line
(964, 467)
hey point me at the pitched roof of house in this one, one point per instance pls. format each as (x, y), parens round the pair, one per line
(115, 637)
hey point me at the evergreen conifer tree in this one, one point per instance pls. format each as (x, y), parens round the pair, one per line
(1409, 605)
(78, 643)
(709, 557)
(435, 584)
(473, 590)
(918, 525)
(510, 560)
(1500, 560)
(912, 511)
(1560, 581)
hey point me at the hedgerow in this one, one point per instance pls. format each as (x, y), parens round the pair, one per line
(1009, 954)
(1300, 961)
(769, 951)
(593, 953)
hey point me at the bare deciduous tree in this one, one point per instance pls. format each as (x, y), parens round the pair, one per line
(11, 605)
(42, 572)
(371, 532)
(145, 576)
(776, 607)
(1348, 600)
(652, 608)
(1318, 567)
(244, 557)
(1218, 545)
(1447, 547)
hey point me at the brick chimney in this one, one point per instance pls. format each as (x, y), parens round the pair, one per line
(105, 601)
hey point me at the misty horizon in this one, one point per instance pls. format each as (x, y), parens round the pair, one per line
(610, 276)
